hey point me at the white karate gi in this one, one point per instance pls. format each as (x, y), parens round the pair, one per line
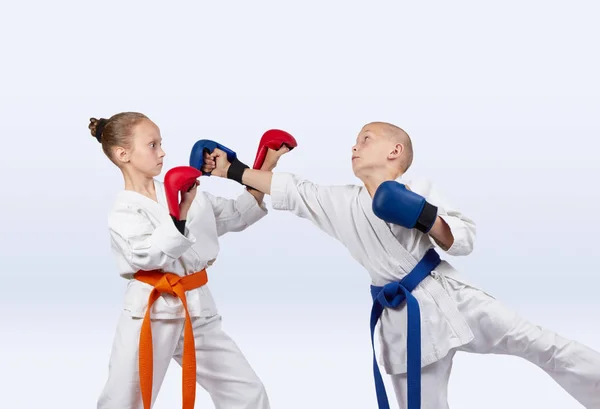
(144, 237)
(455, 315)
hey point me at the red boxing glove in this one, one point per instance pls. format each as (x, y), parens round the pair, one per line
(179, 179)
(272, 139)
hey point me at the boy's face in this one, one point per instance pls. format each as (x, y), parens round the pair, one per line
(371, 151)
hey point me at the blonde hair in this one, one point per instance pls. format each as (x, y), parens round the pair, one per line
(115, 131)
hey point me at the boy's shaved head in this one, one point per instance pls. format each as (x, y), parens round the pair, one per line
(398, 135)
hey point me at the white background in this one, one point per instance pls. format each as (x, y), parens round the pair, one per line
(501, 100)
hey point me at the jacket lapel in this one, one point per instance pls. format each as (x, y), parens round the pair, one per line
(399, 254)
(159, 210)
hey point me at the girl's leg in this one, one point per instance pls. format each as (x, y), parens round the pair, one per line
(122, 389)
(222, 369)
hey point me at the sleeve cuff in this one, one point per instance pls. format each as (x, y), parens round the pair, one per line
(456, 228)
(170, 241)
(279, 183)
(249, 208)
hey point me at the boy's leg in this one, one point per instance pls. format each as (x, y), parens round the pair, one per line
(221, 368)
(500, 330)
(434, 384)
(122, 389)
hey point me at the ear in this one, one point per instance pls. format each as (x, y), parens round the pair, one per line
(121, 154)
(397, 152)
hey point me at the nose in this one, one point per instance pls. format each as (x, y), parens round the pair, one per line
(354, 149)
(162, 153)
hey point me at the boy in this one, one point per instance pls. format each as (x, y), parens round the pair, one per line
(395, 229)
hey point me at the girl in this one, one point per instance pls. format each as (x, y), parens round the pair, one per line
(151, 247)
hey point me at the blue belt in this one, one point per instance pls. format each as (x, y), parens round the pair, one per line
(392, 295)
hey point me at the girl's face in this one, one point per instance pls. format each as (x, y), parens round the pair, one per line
(146, 154)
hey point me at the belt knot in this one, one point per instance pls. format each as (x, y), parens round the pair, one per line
(391, 295)
(167, 283)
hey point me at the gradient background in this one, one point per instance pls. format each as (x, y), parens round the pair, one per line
(502, 103)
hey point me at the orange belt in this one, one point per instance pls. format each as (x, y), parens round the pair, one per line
(172, 284)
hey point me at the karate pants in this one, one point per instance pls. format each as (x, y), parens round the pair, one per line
(222, 370)
(499, 330)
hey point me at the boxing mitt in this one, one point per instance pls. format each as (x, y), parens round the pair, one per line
(179, 179)
(234, 172)
(272, 139)
(206, 145)
(394, 203)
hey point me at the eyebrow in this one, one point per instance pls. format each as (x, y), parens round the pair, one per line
(365, 133)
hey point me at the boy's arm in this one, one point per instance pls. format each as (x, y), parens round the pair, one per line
(441, 233)
(258, 179)
(301, 197)
(453, 231)
(421, 206)
(288, 192)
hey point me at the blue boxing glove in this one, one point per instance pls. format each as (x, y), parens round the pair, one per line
(205, 145)
(394, 203)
